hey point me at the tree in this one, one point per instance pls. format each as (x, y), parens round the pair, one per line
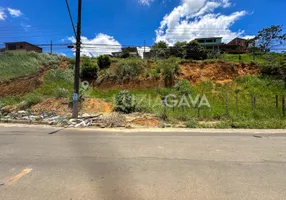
(254, 51)
(89, 70)
(103, 62)
(195, 51)
(178, 50)
(270, 36)
(160, 50)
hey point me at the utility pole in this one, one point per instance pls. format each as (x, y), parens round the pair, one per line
(77, 63)
(51, 47)
(144, 49)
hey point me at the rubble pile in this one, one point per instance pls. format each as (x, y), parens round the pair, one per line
(48, 118)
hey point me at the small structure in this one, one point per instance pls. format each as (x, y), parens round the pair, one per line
(237, 46)
(127, 51)
(21, 47)
(212, 43)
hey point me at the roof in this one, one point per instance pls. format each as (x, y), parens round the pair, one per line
(208, 38)
(22, 42)
(236, 39)
(130, 49)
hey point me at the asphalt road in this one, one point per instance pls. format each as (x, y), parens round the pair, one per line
(39, 163)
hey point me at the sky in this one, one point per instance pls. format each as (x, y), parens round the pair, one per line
(110, 24)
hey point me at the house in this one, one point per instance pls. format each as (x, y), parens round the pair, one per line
(21, 47)
(212, 43)
(126, 51)
(237, 46)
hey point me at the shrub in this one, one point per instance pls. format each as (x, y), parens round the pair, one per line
(191, 124)
(89, 70)
(124, 102)
(129, 68)
(103, 62)
(183, 87)
(170, 68)
(31, 99)
(62, 92)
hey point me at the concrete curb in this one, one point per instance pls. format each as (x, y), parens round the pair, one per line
(27, 124)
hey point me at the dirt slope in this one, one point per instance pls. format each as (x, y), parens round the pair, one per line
(193, 71)
(60, 106)
(219, 72)
(20, 86)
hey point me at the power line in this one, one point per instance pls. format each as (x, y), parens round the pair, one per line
(71, 19)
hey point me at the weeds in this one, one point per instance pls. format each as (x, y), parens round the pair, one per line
(22, 64)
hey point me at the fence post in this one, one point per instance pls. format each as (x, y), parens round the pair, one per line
(227, 104)
(283, 106)
(236, 102)
(199, 108)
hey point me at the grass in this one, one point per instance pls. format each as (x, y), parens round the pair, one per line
(23, 64)
(57, 83)
(239, 114)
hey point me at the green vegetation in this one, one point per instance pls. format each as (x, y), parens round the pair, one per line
(129, 69)
(247, 102)
(103, 62)
(232, 105)
(23, 64)
(124, 102)
(89, 69)
(170, 68)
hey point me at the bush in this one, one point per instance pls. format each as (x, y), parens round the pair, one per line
(129, 68)
(103, 62)
(124, 102)
(55, 82)
(31, 99)
(183, 87)
(62, 92)
(89, 70)
(191, 124)
(170, 68)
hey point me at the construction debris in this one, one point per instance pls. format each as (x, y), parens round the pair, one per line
(48, 118)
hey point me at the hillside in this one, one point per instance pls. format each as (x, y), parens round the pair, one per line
(240, 94)
(24, 64)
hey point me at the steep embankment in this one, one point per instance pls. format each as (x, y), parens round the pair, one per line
(218, 72)
(23, 72)
(21, 85)
(193, 71)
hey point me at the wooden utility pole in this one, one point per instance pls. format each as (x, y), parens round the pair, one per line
(77, 63)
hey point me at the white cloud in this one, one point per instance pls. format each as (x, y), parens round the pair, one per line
(195, 19)
(101, 44)
(2, 14)
(14, 12)
(145, 2)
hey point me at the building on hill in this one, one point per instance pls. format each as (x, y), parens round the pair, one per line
(211, 43)
(21, 47)
(127, 52)
(237, 46)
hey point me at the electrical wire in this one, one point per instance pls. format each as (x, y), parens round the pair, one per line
(71, 19)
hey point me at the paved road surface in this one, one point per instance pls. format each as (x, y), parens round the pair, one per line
(73, 164)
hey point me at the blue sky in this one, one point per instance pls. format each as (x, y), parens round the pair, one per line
(130, 22)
